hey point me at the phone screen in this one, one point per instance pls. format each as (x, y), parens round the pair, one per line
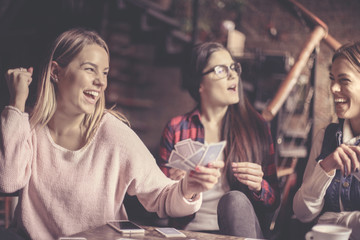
(170, 232)
(72, 238)
(125, 225)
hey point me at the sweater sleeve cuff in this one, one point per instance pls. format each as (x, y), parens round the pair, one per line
(318, 183)
(260, 195)
(12, 108)
(195, 199)
(329, 175)
(183, 206)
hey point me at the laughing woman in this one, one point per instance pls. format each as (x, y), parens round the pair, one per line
(243, 201)
(330, 192)
(72, 160)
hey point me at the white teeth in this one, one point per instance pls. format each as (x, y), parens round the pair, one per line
(232, 87)
(94, 93)
(340, 100)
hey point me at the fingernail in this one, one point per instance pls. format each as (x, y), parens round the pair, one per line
(197, 169)
(210, 165)
(233, 164)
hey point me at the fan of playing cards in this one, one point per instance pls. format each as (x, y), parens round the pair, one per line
(188, 154)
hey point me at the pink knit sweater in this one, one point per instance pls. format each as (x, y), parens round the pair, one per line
(64, 192)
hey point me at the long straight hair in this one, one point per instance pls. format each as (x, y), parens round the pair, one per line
(65, 48)
(245, 132)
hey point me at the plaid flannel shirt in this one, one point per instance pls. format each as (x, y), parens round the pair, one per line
(190, 126)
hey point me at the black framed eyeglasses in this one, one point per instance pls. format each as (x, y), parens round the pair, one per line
(222, 71)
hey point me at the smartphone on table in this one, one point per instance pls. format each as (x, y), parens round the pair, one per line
(126, 227)
(170, 232)
(71, 238)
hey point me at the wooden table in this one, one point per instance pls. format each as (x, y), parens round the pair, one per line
(105, 232)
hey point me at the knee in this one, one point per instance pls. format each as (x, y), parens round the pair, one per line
(236, 216)
(234, 199)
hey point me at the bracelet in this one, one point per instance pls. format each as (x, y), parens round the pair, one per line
(193, 197)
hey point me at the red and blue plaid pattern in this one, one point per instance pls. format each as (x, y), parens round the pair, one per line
(189, 126)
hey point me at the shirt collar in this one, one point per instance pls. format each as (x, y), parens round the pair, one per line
(195, 114)
(348, 136)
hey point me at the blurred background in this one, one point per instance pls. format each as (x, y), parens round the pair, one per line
(149, 41)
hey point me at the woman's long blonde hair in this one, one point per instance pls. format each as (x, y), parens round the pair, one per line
(63, 51)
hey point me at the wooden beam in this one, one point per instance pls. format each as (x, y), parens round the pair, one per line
(285, 88)
(329, 40)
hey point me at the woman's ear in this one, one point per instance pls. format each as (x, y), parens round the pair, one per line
(201, 88)
(54, 72)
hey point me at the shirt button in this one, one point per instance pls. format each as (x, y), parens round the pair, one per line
(346, 184)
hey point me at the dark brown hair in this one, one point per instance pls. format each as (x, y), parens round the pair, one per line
(351, 52)
(245, 132)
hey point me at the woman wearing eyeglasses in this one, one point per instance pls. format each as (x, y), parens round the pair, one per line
(246, 196)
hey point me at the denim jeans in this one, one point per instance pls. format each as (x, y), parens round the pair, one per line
(9, 234)
(236, 216)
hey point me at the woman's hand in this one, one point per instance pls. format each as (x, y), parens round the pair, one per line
(202, 179)
(18, 81)
(176, 174)
(249, 174)
(345, 158)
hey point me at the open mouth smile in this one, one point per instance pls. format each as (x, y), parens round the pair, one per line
(340, 100)
(91, 95)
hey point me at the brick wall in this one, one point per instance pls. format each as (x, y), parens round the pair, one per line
(342, 18)
(164, 83)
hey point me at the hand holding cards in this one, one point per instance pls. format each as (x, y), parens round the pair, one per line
(188, 154)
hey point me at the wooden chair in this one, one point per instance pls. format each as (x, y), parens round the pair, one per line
(6, 210)
(5, 206)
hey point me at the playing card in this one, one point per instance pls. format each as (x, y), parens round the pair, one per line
(189, 164)
(212, 152)
(196, 157)
(188, 154)
(179, 165)
(197, 145)
(184, 147)
(175, 156)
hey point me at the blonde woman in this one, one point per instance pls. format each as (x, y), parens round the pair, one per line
(72, 160)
